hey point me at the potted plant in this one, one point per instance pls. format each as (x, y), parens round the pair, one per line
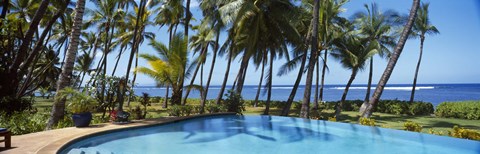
(80, 104)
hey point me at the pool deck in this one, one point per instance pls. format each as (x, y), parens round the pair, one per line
(49, 142)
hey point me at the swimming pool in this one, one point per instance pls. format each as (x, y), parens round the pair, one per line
(268, 134)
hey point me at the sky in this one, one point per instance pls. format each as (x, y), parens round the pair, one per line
(453, 56)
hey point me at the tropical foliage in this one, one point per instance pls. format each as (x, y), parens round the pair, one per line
(49, 45)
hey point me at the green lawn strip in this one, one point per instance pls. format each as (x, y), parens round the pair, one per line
(383, 120)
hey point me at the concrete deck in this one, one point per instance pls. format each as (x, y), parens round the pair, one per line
(49, 142)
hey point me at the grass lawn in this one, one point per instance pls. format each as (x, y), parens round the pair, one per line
(383, 120)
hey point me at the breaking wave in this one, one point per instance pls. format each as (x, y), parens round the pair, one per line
(387, 88)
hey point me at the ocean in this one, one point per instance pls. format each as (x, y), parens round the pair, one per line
(433, 93)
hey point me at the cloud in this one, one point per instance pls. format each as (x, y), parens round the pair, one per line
(194, 4)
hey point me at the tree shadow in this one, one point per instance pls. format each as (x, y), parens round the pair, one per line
(444, 124)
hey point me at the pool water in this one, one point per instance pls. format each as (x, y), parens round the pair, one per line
(268, 134)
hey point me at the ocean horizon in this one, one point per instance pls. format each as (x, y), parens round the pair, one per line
(433, 93)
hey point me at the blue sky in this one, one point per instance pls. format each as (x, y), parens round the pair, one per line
(453, 56)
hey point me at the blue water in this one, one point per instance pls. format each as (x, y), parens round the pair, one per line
(434, 93)
(269, 134)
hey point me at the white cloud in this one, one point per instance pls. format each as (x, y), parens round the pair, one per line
(194, 4)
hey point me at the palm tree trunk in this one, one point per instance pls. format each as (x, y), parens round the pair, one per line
(187, 18)
(236, 79)
(304, 112)
(136, 65)
(225, 79)
(287, 107)
(317, 78)
(81, 81)
(184, 101)
(5, 5)
(176, 95)
(369, 85)
(104, 64)
(242, 73)
(165, 103)
(259, 85)
(324, 68)
(269, 94)
(58, 109)
(134, 46)
(118, 59)
(412, 96)
(338, 107)
(209, 79)
(366, 109)
(134, 75)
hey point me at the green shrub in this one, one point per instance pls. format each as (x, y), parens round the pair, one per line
(420, 108)
(214, 108)
(412, 126)
(78, 102)
(187, 110)
(234, 102)
(434, 132)
(332, 119)
(386, 106)
(175, 110)
(197, 109)
(137, 113)
(348, 105)
(461, 132)
(463, 110)
(297, 105)
(367, 121)
(180, 110)
(398, 108)
(26, 122)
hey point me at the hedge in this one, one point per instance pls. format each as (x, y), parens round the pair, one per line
(463, 110)
(387, 106)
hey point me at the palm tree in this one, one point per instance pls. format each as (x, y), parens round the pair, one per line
(106, 17)
(299, 54)
(61, 33)
(200, 44)
(267, 28)
(84, 65)
(232, 50)
(126, 31)
(366, 109)
(23, 9)
(263, 60)
(331, 24)
(172, 65)
(352, 52)
(138, 33)
(304, 112)
(212, 19)
(421, 28)
(171, 13)
(377, 27)
(58, 109)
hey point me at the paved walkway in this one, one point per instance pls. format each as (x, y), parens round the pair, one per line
(49, 142)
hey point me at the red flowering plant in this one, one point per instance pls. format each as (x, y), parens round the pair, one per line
(113, 116)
